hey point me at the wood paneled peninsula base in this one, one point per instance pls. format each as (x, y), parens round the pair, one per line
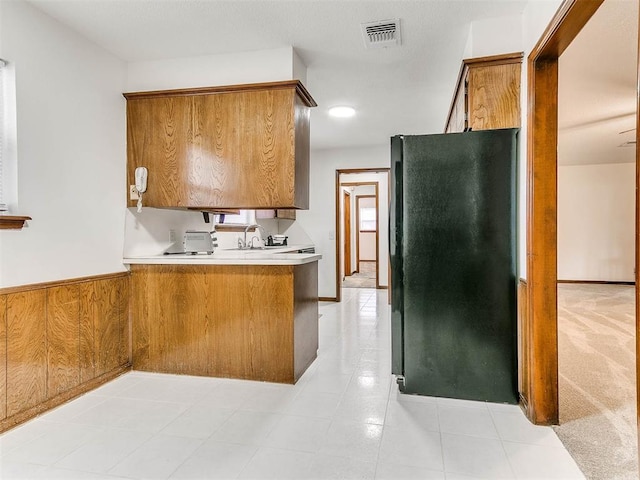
(254, 322)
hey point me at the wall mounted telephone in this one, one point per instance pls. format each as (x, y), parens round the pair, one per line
(141, 184)
(141, 179)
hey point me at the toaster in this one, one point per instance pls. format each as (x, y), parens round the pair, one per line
(199, 242)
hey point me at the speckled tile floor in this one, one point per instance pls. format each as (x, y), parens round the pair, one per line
(344, 419)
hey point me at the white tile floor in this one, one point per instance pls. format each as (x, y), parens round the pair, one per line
(343, 420)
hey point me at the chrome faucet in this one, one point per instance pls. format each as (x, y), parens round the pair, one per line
(242, 242)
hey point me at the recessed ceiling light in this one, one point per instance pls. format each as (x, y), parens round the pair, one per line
(342, 111)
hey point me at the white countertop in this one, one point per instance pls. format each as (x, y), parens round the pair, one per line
(270, 256)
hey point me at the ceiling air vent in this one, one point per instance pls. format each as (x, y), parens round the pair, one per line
(381, 34)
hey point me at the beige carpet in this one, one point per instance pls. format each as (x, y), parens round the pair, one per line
(365, 278)
(596, 342)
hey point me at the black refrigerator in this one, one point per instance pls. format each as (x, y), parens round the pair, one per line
(453, 260)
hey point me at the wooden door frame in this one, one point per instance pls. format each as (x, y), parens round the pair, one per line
(539, 392)
(347, 171)
(347, 228)
(358, 197)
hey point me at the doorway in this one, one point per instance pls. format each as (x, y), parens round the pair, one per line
(365, 238)
(365, 233)
(595, 244)
(539, 388)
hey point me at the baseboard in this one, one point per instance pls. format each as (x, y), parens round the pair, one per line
(327, 299)
(21, 417)
(597, 282)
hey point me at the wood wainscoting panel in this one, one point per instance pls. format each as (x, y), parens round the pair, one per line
(233, 321)
(87, 334)
(63, 338)
(123, 289)
(103, 340)
(26, 350)
(3, 356)
(106, 310)
(306, 317)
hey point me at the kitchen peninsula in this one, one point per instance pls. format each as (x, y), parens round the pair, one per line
(249, 314)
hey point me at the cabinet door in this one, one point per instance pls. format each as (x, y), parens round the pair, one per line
(26, 352)
(253, 147)
(222, 150)
(494, 97)
(159, 137)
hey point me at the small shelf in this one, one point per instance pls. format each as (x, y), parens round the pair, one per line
(12, 222)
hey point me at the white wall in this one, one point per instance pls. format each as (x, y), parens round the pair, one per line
(147, 233)
(512, 34)
(71, 151)
(596, 222)
(495, 36)
(222, 69)
(319, 220)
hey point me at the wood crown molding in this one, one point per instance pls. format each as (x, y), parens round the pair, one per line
(302, 92)
(12, 222)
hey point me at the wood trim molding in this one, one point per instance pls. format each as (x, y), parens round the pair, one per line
(637, 244)
(12, 222)
(570, 18)
(596, 282)
(503, 59)
(337, 236)
(59, 283)
(21, 417)
(540, 355)
(302, 92)
(328, 299)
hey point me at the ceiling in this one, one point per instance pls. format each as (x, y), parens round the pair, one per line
(404, 90)
(597, 88)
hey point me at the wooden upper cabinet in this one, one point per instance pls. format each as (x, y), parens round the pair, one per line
(487, 94)
(241, 146)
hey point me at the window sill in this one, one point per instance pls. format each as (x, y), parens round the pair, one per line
(12, 222)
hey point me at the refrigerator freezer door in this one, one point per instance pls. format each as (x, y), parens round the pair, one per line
(395, 256)
(459, 265)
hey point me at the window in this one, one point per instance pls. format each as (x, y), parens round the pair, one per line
(8, 135)
(245, 217)
(3, 206)
(368, 219)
